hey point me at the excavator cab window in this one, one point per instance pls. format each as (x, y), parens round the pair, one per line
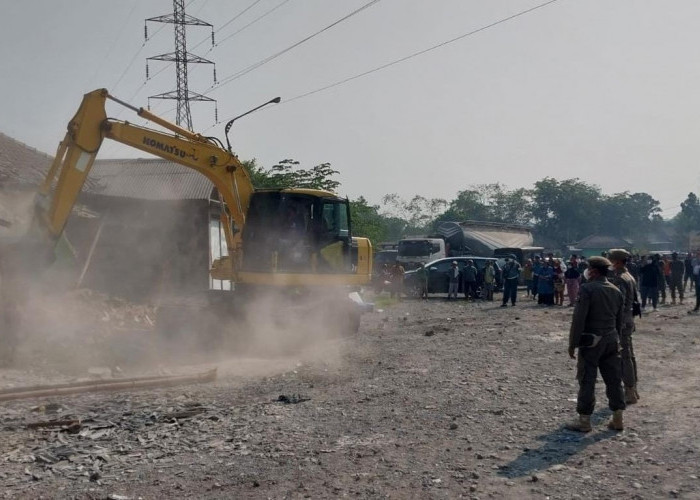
(296, 232)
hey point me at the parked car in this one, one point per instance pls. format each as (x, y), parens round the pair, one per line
(438, 280)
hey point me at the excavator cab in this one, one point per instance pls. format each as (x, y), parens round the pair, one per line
(297, 231)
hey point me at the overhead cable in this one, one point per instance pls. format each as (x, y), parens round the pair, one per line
(274, 56)
(419, 53)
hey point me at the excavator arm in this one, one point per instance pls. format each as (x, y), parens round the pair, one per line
(28, 241)
(90, 126)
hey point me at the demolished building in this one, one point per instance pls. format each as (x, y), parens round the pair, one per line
(141, 228)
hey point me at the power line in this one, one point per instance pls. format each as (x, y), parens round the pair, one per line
(419, 53)
(239, 14)
(262, 62)
(200, 7)
(133, 58)
(267, 13)
(114, 43)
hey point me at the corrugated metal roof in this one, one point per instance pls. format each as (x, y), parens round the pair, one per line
(141, 178)
(602, 241)
(148, 179)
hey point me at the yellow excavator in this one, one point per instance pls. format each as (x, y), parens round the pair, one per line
(278, 240)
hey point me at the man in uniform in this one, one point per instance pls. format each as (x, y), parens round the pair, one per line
(624, 281)
(676, 284)
(422, 275)
(595, 330)
(397, 274)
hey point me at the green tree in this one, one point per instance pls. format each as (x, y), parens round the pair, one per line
(414, 216)
(468, 205)
(565, 211)
(628, 215)
(512, 206)
(367, 221)
(288, 174)
(687, 222)
(490, 203)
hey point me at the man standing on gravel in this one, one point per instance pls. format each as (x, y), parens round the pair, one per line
(688, 276)
(595, 329)
(511, 276)
(696, 277)
(397, 275)
(453, 276)
(536, 269)
(624, 281)
(469, 274)
(676, 283)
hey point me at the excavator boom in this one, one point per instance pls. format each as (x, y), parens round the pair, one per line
(77, 151)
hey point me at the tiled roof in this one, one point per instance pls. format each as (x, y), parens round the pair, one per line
(21, 164)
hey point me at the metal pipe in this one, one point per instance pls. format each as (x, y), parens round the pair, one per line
(105, 385)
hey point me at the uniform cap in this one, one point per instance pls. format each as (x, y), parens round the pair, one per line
(618, 254)
(599, 262)
(454, 262)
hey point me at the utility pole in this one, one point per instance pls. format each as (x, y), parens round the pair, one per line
(182, 94)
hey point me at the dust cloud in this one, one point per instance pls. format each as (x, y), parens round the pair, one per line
(139, 311)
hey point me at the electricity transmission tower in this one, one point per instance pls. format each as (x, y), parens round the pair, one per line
(182, 94)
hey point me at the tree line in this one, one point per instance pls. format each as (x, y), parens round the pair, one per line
(560, 212)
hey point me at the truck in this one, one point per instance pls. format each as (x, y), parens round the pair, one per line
(415, 251)
(293, 245)
(481, 238)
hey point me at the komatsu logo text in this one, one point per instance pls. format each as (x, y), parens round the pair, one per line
(167, 148)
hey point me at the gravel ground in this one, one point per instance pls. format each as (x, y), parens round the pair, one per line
(432, 399)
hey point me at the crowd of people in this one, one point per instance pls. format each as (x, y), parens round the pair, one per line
(555, 281)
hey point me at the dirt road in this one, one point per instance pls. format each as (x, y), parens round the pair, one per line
(431, 400)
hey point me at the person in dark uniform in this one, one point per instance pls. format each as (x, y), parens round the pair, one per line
(624, 281)
(676, 281)
(688, 275)
(469, 279)
(595, 332)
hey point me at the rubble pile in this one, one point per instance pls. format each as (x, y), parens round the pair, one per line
(84, 328)
(112, 314)
(101, 441)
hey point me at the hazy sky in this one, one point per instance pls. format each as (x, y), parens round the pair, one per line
(604, 90)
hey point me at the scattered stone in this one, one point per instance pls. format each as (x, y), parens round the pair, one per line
(292, 399)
